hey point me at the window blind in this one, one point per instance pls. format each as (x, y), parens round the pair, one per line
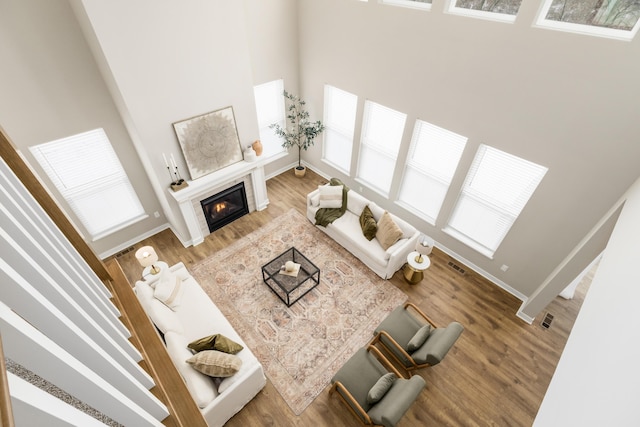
(86, 171)
(433, 158)
(496, 189)
(340, 120)
(382, 130)
(270, 109)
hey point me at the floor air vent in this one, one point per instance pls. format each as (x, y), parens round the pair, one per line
(456, 267)
(124, 251)
(546, 322)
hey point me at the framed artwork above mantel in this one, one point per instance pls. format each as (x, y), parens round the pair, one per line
(209, 141)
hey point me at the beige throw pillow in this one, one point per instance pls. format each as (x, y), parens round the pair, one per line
(215, 363)
(330, 196)
(388, 231)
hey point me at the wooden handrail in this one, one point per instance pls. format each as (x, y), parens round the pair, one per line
(170, 387)
(30, 181)
(6, 413)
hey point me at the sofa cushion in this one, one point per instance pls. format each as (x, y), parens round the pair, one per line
(350, 236)
(169, 289)
(388, 231)
(356, 202)
(215, 363)
(330, 196)
(368, 223)
(162, 316)
(315, 200)
(201, 387)
(215, 342)
(376, 210)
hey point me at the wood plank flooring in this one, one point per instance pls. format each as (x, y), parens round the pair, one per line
(495, 375)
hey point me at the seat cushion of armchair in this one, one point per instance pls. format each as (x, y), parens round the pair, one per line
(359, 374)
(438, 344)
(397, 401)
(402, 326)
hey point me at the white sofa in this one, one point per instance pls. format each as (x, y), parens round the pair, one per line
(347, 232)
(196, 316)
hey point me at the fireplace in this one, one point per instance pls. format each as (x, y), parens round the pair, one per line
(225, 207)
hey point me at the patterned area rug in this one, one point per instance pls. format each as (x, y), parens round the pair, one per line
(300, 347)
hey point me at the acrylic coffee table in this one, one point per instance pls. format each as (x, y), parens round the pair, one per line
(290, 288)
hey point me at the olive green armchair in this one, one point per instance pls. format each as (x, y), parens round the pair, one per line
(413, 339)
(373, 390)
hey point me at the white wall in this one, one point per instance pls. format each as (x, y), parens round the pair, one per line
(596, 380)
(52, 88)
(170, 61)
(564, 101)
(135, 68)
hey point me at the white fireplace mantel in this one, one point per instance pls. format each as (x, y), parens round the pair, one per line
(218, 180)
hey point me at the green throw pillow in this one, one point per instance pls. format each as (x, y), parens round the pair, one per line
(368, 223)
(380, 388)
(216, 342)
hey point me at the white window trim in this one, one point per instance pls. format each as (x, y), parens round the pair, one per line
(73, 195)
(589, 30)
(276, 153)
(408, 4)
(415, 212)
(413, 166)
(480, 14)
(349, 134)
(365, 137)
(428, 218)
(121, 226)
(469, 241)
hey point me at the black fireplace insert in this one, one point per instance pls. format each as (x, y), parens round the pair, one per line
(225, 207)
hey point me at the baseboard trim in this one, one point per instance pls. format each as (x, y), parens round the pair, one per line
(133, 241)
(482, 272)
(524, 316)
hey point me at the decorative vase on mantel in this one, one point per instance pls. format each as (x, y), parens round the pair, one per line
(257, 147)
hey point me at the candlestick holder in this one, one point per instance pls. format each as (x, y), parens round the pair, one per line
(179, 185)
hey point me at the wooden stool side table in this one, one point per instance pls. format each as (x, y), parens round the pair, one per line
(413, 270)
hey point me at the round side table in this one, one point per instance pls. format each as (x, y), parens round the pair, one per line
(413, 270)
(148, 275)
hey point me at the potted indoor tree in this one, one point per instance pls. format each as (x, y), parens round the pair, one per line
(301, 132)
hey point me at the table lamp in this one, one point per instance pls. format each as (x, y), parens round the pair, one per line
(424, 245)
(147, 256)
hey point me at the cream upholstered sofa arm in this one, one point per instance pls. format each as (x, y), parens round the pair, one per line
(313, 198)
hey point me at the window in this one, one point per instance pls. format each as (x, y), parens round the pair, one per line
(88, 174)
(382, 130)
(340, 121)
(500, 10)
(433, 158)
(416, 4)
(270, 109)
(607, 18)
(496, 189)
